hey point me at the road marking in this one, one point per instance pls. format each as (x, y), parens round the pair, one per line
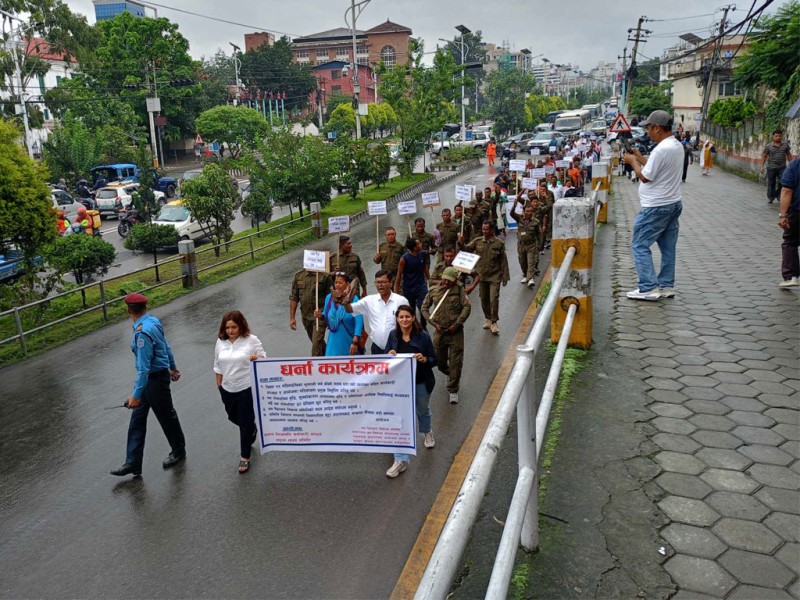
(108, 230)
(420, 554)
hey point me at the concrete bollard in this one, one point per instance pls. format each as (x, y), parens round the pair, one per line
(316, 219)
(573, 225)
(188, 264)
(600, 175)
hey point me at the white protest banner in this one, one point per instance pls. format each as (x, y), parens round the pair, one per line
(316, 260)
(538, 173)
(378, 207)
(529, 183)
(472, 190)
(549, 169)
(465, 262)
(463, 193)
(430, 199)
(339, 224)
(408, 207)
(535, 151)
(562, 164)
(328, 404)
(516, 165)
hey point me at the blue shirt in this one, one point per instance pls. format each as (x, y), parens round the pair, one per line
(791, 180)
(151, 350)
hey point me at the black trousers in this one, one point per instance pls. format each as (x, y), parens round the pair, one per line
(157, 396)
(790, 265)
(239, 407)
(774, 184)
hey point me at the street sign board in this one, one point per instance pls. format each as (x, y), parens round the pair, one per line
(199, 140)
(620, 125)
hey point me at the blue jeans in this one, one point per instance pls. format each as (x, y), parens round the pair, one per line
(423, 399)
(657, 225)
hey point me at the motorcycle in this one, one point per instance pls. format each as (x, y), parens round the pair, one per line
(86, 196)
(508, 155)
(127, 219)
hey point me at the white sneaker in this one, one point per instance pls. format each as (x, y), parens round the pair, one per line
(495, 329)
(453, 397)
(650, 296)
(531, 283)
(524, 280)
(429, 442)
(667, 292)
(397, 467)
(787, 283)
(487, 324)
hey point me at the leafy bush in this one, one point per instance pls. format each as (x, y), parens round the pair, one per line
(457, 155)
(81, 255)
(148, 237)
(731, 112)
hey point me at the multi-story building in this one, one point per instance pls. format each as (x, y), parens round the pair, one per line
(257, 39)
(387, 42)
(334, 78)
(108, 9)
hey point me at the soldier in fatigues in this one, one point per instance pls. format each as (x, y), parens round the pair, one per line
(448, 233)
(459, 219)
(447, 261)
(493, 269)
(449, 319)
(349, 263)
(389, 252)
(546, 201)
(528, 231)
(304, 288)
(426, 239)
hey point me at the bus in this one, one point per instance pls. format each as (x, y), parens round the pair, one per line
(551, 116)
(594, 110)
(572, 122)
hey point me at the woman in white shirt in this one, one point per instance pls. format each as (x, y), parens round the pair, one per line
(236, 349)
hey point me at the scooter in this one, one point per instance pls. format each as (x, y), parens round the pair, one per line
(127, 219)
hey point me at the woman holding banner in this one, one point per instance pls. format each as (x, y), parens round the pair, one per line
(344, 328)
(409, 338)
(236, 348)
(413, 271)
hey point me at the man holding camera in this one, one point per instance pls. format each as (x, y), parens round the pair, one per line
(660, 196)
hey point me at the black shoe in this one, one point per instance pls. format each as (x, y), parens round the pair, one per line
(127, 469)
(173, 459)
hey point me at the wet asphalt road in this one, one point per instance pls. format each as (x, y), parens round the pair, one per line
(299, 525)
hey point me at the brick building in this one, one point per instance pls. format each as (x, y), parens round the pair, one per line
(334, 79)
(257, 39)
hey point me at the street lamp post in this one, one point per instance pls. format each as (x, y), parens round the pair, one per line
(356, 85)
(237, 64)
(16, 44)
(464, 30)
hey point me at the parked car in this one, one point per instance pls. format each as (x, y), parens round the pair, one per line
(127, 172)
(64, 201)
(543, 127)
(111, 198)
(599, 127)
(479, 140)
(12, 262)
(542, 141)
(521, 139)
(175, 214)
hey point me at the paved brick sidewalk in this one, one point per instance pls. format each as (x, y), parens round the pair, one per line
(720, 363)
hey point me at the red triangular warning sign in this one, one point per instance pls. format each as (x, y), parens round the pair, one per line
(620, 125)
(199, 140)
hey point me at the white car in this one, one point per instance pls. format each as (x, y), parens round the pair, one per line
(113, 197)
(480, 139)
(64, 201)
(176, 214)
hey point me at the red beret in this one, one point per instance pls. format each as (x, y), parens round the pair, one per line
(135, 298)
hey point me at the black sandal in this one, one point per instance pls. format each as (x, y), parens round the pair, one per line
(244, 466)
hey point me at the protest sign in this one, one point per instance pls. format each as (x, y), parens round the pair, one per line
(316, 260)
(516, 165)
(430, 199)
(463, 193)
(538, 173)
(465, 262)
(408, 207)
(377, 207)
(529, 183)
(562, 164)
(339, 224)
(535, 151)
(549, 169)
(328, 404)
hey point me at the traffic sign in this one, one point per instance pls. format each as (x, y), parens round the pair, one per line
(199, 140)
(620, 125)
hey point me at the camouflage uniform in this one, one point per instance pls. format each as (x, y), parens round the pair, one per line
(528, 233)
(390, 256)
(493, 269)
(449, 346)
(350, 264)
(303, 290)
(450, 233)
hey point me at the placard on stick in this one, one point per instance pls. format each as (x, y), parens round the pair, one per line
(317, 261)
(465, 262)
(538, 173)
(529, 183)
(378, 207)
(562, 164)
(409, 207)
(463, 193)
(549, 169)
(339, 224)
(516, 165)
(430, 199)
(535, 151)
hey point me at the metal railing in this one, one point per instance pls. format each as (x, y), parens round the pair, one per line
(521, 525)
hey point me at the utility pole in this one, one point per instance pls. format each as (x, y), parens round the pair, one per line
(356, 85)
(153, 106)
(463, 30)
(237, 64)
(623, 87)
(714, 58)
(15, 45)
(631, 75)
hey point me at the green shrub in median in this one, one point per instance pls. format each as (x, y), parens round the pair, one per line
(149, 237)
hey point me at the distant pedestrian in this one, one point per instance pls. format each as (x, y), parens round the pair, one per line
(155, 368)
(344, 329)
(775, 157)
(307, 294)
(789, 221)
(491, 152)
(707, 153)
(660, 196)
(236, 348)
(409, 337)
(379, 310)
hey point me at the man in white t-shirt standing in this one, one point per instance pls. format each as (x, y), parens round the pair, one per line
(379, 309)
(660, 195)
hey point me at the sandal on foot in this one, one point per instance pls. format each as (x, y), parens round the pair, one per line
(244, 466)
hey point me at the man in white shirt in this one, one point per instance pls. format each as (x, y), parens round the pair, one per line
(379, 310)
(660, 196)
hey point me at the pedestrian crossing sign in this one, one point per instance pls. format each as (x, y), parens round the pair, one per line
(198, 140)
(620, 125)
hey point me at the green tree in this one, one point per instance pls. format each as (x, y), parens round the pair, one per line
(258, 205)
(235, 125)
(149, 237)
(539, 105)
(731, 112)
(645, 99)
(27, 219)
(418, 97)
(342, 120)
(70, 151)
(271, 69)
(771, 61)
(211, 199)
(505, 94)
(335, 100)
(82, 255)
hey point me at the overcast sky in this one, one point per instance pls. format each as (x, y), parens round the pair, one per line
(581, 32)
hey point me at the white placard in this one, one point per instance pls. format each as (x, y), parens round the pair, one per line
(465, 262)
(339, 224)
(316, 260)
(562, 164)
(463, 193)
(409, 207)
(328, 404)
(549, 169)
(516, 165)
(535, 151)
(472, 189)
(378, 207)
(538, 173)
(529, 183)
(430, 199)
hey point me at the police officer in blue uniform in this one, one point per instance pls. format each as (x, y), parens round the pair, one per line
(155, 368)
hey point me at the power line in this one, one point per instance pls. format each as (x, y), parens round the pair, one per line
(681, 18)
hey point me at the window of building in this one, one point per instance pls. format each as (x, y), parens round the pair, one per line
(46, 115)
(389, 56)
(362, 49)
(336, 89)
(728, 88)
(58, 79)
(336, 74)
(343, 53)
(301, 54)
(41, 83)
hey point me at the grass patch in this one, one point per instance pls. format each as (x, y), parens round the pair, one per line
(519, 580)
(543, 292)
(271, 243)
